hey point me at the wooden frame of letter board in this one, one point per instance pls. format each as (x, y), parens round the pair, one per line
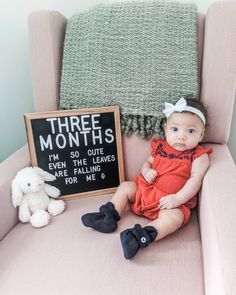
(44, 115)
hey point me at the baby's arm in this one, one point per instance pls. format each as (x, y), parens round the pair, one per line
(147, 172)
(191, 187)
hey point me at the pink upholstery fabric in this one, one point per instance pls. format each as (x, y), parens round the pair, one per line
(67, 258)
(218, 223)
(46, 30)
(134, 157)
(219, 69)
(8, 169)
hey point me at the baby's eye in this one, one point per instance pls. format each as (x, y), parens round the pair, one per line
(174, 129)
(191, 131)
(28, 184)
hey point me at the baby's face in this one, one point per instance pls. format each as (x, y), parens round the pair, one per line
(184, 131)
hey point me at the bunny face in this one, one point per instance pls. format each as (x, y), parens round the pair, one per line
(29, 181)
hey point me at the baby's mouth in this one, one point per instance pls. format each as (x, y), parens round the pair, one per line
(180, 145)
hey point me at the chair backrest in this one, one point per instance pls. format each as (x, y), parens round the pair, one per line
(217, 71)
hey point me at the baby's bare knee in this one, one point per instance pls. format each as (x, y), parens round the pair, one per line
(128, 186)
(176, 218)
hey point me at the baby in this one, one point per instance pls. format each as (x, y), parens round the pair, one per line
(170, 179)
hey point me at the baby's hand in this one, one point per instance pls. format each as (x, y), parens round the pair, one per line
(169, 202)
(149, 175)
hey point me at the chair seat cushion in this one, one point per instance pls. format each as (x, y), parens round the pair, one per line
(67, 258)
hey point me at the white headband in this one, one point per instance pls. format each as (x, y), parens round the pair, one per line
(181, 106)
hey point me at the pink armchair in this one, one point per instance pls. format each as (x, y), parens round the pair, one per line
(66, 258)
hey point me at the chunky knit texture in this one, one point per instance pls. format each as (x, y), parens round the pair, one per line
(133, 54)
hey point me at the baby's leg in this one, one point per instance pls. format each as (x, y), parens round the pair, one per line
(124, 194)
(133, 239)
(168, 221)
(109, 214)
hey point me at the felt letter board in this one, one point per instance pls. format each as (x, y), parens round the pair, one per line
(82, 148)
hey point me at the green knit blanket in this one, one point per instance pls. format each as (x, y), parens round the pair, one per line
(133, 54)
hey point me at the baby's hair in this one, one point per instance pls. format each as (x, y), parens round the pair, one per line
(192, 102)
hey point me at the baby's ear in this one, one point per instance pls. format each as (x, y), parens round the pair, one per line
(164, 127)
(202, 135)
(44, 174)
(16, 193)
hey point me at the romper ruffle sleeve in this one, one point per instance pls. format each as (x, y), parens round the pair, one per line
(154, 144)
(200, 150)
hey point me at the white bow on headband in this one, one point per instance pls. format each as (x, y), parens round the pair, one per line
(181, 106)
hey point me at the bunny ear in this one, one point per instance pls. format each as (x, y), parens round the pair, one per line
(16, 193)
(45, 175)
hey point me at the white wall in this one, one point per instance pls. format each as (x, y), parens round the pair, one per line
(15, 82)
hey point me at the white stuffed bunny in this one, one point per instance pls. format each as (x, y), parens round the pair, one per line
(35, 198)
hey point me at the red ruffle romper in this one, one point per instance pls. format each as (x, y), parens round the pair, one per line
(173, 168)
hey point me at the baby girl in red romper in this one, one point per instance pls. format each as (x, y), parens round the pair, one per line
(170, 179)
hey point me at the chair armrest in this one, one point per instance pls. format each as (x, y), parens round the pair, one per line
(46, 39)
(217, 218)
(8, 170)
(218, 77)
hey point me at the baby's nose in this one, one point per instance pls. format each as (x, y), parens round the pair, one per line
(182, 136)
